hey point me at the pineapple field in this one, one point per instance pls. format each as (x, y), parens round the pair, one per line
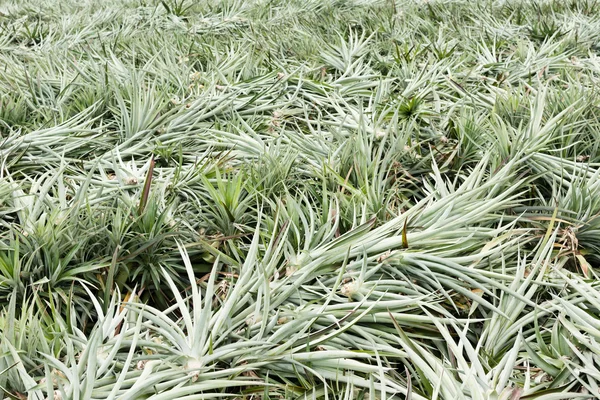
(299, 199)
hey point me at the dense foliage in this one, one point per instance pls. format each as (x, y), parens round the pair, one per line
(311, 199)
